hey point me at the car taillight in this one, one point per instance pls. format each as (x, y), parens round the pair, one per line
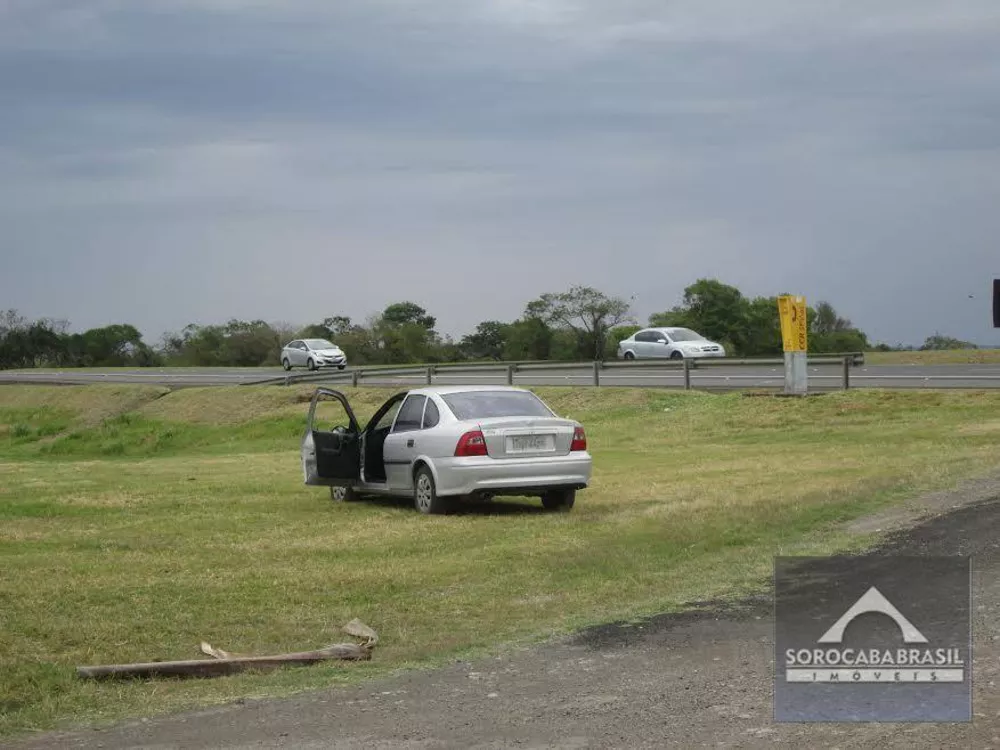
(471, 444)
(579, 440)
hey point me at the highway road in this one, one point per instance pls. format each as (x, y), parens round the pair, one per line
(823, 377)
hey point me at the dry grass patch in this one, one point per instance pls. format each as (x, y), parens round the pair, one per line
(945, 357)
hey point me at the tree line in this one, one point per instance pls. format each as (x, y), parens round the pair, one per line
(580, 323)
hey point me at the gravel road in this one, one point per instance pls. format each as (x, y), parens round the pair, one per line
(701, 679)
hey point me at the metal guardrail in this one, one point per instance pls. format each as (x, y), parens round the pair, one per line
(684, 367)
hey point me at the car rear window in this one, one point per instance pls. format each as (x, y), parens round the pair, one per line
(488, 404)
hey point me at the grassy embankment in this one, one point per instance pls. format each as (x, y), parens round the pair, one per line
(135, 523)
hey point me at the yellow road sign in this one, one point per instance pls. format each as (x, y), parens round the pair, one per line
(792, 310)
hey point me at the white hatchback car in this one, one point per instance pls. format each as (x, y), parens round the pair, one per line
(437, 444)
(669, 343)
(312, 353)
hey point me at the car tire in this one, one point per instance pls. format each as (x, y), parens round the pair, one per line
(311, 364)
(629, 355)
(286, 364)
(341, 367)
(676, 355)
(559, 500)
(425, 496)
(343, 494)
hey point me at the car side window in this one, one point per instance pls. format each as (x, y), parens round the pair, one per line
(431, 414)
(410, 414)
(385, 421)
(644, 336)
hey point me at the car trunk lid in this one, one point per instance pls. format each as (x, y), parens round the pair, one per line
(526, 437)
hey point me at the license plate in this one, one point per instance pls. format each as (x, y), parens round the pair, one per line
(531, 443)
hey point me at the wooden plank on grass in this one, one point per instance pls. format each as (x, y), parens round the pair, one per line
(225, 663)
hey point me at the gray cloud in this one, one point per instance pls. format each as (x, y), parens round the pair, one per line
(169, 162)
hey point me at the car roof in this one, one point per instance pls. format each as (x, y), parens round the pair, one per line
(443, 390)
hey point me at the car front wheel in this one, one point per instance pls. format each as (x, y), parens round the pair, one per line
(425, 497)
(562, 500)
(311, 364)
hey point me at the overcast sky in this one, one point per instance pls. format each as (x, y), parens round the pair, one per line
(164, 162)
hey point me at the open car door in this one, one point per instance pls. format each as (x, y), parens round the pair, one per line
(331, 446)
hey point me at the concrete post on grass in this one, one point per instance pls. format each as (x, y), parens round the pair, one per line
(597, 373)
(792, 311)
(796, 374)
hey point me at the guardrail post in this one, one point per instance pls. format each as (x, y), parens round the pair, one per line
(354, 378)
(430, 374)
(597, 373)
(847, 372)
(288, 379)
(687, 374)
(510, 374)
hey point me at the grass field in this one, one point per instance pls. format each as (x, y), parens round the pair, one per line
(135, 523)
(943, 357)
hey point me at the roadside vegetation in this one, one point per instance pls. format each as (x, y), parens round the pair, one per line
(578, 324)
(136, 522)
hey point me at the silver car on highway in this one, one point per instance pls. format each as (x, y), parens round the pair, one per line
(438, 444)
(312, 353)
(668, 343)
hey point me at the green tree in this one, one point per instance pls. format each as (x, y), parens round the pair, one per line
(487, 342)
(938, 342)
(527, 339)
(824, 320)
(110, 346)
(588, 312)
(760, 331)
(405, 333)
(713, 309)
(407, 313)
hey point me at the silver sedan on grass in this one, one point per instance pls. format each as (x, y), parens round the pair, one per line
(439, 444)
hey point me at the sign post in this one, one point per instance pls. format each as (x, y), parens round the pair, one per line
(792, 310)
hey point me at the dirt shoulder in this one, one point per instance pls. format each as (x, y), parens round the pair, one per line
(700, 679)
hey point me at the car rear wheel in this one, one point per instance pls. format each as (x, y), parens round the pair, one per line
(559, 500)
(286, 364)
(311, 364)
(629, 355)
(425, 497)
(343, 494)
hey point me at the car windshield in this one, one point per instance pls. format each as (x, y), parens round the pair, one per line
(683, 334)
(488, 404)
(319, 344)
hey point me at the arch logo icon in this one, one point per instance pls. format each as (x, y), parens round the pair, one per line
(873, 639)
